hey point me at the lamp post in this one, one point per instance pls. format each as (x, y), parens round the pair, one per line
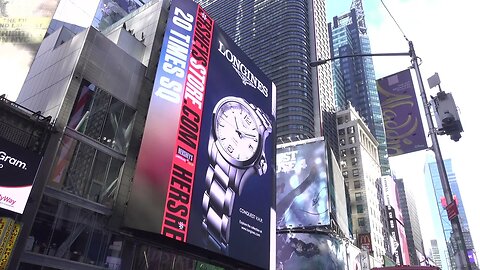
(454, 219)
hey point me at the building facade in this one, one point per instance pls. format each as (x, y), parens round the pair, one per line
(432, 175)
(282, 38)
(410, 222)
(97, 86)
(360, 168)
(355, 76)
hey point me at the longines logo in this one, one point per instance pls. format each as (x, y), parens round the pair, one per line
(245, 74)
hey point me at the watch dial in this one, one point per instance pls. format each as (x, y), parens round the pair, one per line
(237, 131)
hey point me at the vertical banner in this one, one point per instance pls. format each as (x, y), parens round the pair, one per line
(23, 24)
(205, 169)
(18, 168)
(403, 124)
(302, 186)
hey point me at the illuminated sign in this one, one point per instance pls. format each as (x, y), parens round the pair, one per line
(18, 167)
(205, 169)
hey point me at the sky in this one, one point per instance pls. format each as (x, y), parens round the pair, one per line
(444, 36)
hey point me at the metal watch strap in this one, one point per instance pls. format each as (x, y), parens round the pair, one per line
(223, 181)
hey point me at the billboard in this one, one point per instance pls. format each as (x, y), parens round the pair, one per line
(205, 170)
(302, 185)
(18, 167)
(23, 24)
(303, 251)
(403, 124)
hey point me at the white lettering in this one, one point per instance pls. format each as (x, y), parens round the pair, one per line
(245, 74)
(12, 161)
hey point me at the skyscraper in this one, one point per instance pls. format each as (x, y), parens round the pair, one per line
(282, 38)
(411, 222)
(431, 172)
(355, 77)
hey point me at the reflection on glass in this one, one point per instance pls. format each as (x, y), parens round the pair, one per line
(111, 11)
(102, 117)
(67, 231)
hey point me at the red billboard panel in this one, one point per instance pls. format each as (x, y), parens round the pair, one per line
(205, 169)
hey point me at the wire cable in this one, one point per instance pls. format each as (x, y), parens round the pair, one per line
(394, 20)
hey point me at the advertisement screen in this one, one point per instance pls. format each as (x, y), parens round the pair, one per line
(302, 186)
(23, 24)
(205, 171)
(309, 251)
(18, 167)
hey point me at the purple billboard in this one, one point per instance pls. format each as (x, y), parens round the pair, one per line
(401, 116)
(302, 185)
(205, 171)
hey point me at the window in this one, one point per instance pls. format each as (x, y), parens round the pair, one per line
(353, 150)
(359, 208)
(361, 222)
(358, 197)
(87, 172)
(351, 140)
(102, 117)
(355, 172)
(354, 161)
(342, 142)
(341, 131)
(345, 174)
(357, 184)
(343, 163)
(351, 130)
(343, 152)
(340, 120)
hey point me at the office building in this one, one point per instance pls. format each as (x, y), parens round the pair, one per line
(435, 253)
(434, 184)
(355, 76)
(282, 38)
(410, 221)
(360, 168)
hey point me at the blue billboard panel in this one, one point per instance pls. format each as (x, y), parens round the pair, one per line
(205, 170)
(302, 186)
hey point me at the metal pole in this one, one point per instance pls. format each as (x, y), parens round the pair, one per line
(457, 229)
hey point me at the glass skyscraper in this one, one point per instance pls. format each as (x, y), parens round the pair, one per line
(432, 175)
(355, 76)
(282, 38)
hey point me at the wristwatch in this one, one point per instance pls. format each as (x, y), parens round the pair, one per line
(236, 151)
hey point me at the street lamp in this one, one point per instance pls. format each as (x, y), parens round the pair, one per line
(454, 219)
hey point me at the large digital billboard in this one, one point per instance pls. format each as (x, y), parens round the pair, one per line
(302, 185)
(18, 167)
(304, 251)
(205, 170)
(23, 24)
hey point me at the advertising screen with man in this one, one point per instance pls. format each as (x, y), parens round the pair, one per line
(205, 170)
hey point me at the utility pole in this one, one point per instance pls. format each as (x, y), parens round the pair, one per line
(456, 227)
(455, 222)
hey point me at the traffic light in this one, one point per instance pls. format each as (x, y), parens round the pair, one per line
(446, 114)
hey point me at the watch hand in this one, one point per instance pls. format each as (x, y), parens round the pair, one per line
(236, 124)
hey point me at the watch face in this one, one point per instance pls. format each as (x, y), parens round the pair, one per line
(237, 131)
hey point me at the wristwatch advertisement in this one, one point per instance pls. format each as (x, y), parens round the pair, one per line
(205, 172)
(236, 151)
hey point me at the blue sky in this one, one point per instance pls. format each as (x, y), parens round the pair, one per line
(444, 35)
